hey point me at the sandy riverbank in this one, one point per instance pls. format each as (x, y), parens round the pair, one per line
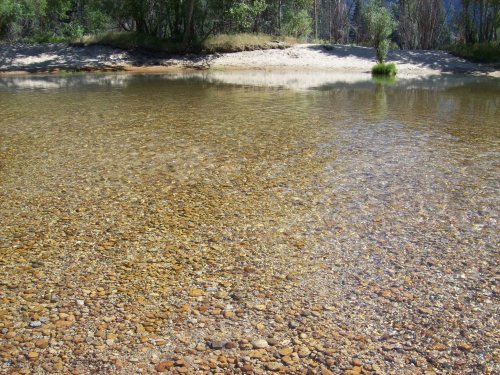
(338, 58)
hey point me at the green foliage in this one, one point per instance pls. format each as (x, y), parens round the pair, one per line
(96, 20)
(297, 24)
(19, 17)
(6, 15)
(47, 38)
(477, 52)
(384, 69)
(244, 13)
(422, 24)
(241, 14)
(72, 30)
(382, 49)
(51, 20)
(58, 9)
(380, 24)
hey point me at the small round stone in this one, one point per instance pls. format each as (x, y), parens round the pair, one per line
(260, 344)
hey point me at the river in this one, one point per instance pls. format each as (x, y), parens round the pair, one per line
(145, 218)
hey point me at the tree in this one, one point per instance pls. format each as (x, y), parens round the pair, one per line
(246, 15)
(297, 24)
(359, 33)
(331, 19)
(421, 24)
(19, 18)
(381, 25)
(338, 21)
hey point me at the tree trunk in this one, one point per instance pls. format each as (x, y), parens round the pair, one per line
(315, 20)
(188, 31)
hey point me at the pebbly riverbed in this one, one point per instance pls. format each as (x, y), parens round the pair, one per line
(191, 224)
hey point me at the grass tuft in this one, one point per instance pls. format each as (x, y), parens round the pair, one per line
(384, 69)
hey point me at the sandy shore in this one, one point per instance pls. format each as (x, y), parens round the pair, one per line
(338, 58)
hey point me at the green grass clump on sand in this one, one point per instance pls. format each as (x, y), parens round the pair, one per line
(384, 69)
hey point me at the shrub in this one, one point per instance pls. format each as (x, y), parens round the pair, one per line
(96, 21)
(46, 38)
(381, 24)
(381, 50)
(478, 52)
(384, 69)
(19, 18)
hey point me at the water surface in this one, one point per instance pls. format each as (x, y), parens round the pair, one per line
(161, 184)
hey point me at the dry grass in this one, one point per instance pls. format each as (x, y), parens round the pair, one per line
(132, 40)
(216, 43)
(245, 42)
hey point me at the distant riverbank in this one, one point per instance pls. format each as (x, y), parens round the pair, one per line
(55, 58)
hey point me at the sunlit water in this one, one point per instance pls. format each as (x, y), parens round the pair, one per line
(240, 168)
(423, 151)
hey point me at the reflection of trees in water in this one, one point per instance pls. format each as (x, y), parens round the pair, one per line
(459, 105)
(380, 103)
(65, 81)
(465, 108)
(465, 111)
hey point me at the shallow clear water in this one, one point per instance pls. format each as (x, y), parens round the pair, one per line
(353, 178)
(199, 156)
(424, 147)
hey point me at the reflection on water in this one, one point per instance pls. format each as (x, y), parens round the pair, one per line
(298, 80)
(382, 80)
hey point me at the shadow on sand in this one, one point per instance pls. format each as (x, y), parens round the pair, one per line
(54, 57)
(431, 59)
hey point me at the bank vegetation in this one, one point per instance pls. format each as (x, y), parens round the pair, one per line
(469, 28)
